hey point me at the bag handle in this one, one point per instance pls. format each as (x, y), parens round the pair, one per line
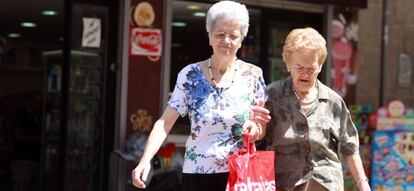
(251, 148)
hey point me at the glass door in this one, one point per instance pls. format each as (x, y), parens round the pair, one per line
(85, 122)
(86, 99)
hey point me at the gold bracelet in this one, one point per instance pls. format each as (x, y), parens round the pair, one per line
(362, 180)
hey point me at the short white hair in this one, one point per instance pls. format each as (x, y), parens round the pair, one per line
(228, 10)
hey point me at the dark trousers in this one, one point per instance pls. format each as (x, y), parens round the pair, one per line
(204, 182)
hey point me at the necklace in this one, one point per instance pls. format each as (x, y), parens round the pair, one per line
(211, 73)
(307, 106)
(310, 102)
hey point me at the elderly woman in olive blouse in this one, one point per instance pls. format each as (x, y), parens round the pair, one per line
(310, 126)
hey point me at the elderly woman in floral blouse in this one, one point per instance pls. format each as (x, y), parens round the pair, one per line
(310, 126)
(217, 94)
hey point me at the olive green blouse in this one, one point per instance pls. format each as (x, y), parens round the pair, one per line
(309, 145)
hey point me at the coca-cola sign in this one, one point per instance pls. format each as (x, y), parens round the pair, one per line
(146, 42)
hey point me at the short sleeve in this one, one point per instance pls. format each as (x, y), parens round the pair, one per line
(348, 139)
(178, 99)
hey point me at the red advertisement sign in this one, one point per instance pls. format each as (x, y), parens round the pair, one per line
(146, 42)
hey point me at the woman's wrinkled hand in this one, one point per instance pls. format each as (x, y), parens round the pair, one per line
(140, 174)
(252, 130)
(259, 114)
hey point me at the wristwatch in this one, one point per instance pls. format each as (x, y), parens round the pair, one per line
(362, 180)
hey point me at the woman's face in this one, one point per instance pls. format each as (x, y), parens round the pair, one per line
(226, 37)
(304, 68)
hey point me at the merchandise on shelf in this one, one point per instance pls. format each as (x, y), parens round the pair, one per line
(83, 151)
(395, 117)
(364, 120)
(393, 161)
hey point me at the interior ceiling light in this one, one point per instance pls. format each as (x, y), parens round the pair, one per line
(49, 13)
(179, 24)
(28, 24)
(193, 7)
(14, 35)
(199, 14)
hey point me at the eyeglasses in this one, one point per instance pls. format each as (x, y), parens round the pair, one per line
(222, 36)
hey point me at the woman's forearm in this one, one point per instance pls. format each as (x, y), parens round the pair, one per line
(158, 133)
(355, 166)
(155, 140)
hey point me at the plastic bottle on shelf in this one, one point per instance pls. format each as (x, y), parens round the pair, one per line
(54, 78)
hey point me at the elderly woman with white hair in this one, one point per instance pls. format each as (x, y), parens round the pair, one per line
(217, 94)
(310, 127)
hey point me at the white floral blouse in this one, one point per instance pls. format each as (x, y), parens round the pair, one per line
(216, 114)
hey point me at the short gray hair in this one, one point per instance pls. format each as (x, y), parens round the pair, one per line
(229, 10)
(305, 38)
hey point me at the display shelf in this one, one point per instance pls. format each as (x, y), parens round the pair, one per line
(84, 125)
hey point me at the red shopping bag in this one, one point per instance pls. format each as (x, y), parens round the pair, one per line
(251, 170)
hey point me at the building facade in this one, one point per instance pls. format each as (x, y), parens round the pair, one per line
(107, 85)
